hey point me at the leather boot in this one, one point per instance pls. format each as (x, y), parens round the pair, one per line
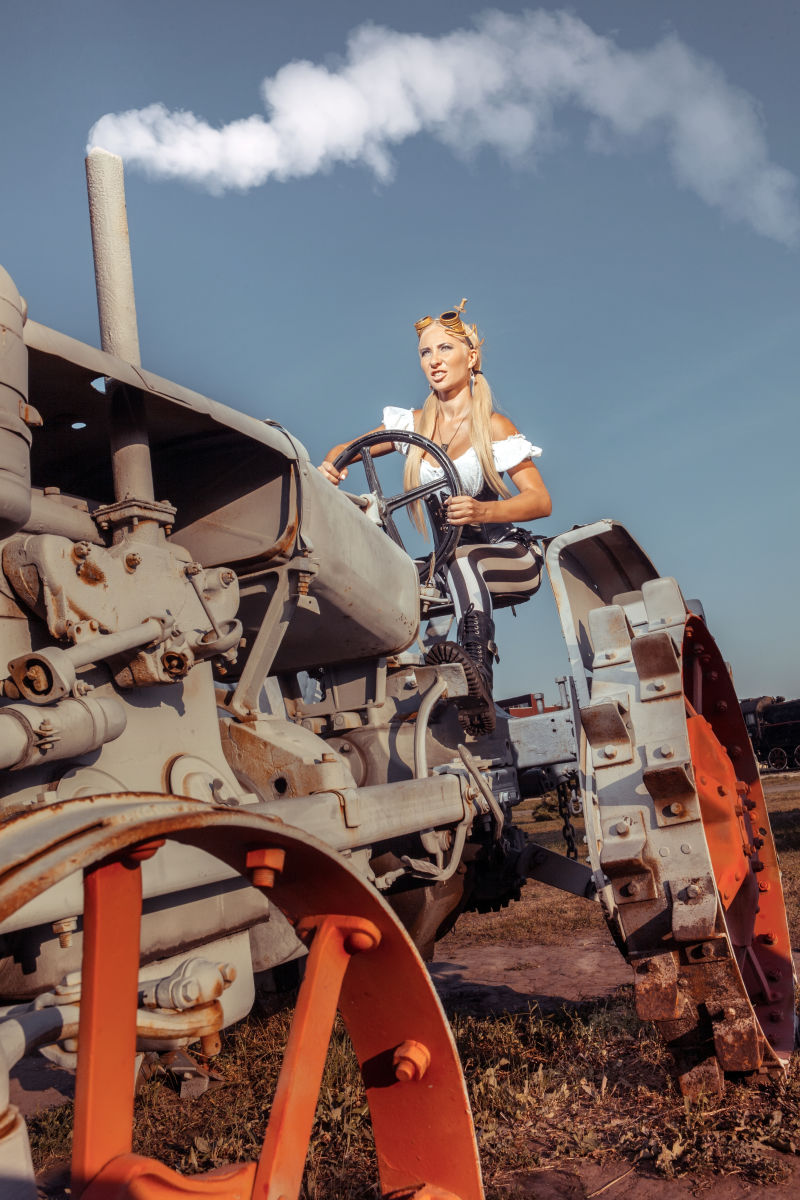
(475, 652)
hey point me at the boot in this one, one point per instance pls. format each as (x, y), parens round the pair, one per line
(475, 652)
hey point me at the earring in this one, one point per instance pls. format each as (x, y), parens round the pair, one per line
(471, 383)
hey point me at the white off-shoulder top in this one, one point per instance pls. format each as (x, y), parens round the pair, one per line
(508, 453)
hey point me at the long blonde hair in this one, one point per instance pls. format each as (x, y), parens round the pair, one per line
(480, 428)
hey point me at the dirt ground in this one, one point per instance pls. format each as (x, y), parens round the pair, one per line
(506, 962)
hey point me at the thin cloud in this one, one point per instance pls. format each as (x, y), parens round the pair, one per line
(498, 85)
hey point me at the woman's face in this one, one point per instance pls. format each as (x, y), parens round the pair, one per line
(446, 361)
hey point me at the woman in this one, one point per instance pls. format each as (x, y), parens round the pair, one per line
(459, 416)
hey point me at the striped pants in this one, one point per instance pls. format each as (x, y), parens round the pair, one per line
(479, 571)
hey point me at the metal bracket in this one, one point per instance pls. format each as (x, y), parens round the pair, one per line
(607, 730)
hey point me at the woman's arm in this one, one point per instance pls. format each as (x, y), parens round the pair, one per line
(533, 500)
(335, 477)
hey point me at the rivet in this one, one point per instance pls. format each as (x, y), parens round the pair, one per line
(664, 851)
(686, 848)
(675, 809)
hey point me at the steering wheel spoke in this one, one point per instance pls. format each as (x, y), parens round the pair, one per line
(403, 499)
(371, 473)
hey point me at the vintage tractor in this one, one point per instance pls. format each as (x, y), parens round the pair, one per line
(222, 747)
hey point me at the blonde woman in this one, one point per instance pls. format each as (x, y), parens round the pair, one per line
(492, 555)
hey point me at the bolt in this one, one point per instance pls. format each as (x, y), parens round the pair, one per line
(631, 889)
(667, 751)
(675, 809)
(622, 829)
(132, 560)
(360, 939)
(721, 791)
(757, 864)
(693, 891)
(410, 1061)
(144, 850)
(730, 1013)
(81, 550)
(735, 751)
(329, 758)
(210, 1045)
(763, 886)
(758, 842)
(659, 685)
(228, 971)
(707, 950)
(192, 569)
(226, 578)
(750, 805)
(769, 938)
(610, 751)
(721, 706)
(345, 748)
(264, 864)
(64, 929)
(773, 976)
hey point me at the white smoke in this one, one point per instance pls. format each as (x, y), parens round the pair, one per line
(498, 85)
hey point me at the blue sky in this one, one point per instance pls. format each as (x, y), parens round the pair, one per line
(633, 262)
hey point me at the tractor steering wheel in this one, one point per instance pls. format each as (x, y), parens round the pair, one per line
(445, 537)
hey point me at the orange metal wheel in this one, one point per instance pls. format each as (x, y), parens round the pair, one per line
(750, 1006)
(360, 961)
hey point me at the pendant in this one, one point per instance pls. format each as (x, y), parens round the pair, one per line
(445, 446)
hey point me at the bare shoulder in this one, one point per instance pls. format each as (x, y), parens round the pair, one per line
(502, 427)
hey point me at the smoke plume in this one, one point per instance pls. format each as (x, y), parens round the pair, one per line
(499, 84)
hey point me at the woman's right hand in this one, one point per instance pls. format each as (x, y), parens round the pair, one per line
(333, 476)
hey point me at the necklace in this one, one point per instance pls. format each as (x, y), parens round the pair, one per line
(446, 445)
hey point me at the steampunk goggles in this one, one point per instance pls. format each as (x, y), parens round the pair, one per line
(450, 320)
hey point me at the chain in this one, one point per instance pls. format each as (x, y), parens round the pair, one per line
(567, 792)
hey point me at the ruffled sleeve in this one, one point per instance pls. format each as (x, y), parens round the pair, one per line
(511, 451)
(400, 418)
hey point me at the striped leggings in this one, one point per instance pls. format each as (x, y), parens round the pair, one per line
(479, 571)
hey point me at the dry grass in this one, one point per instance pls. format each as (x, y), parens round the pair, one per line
(586, 1083)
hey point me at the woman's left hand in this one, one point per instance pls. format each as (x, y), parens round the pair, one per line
(465, 510)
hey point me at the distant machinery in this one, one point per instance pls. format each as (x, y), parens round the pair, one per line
(773, 723)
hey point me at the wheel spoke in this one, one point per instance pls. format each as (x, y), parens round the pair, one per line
(402, 499)
(371, 474)
(283, 1155)
(107, 1031)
